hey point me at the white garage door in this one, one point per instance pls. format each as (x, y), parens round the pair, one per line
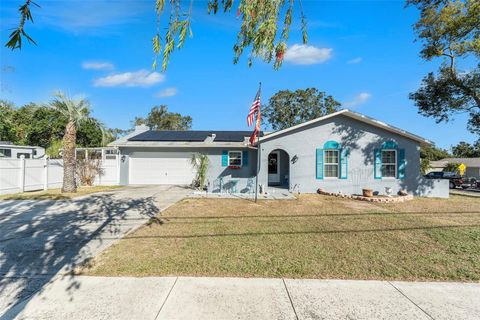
(161, 168)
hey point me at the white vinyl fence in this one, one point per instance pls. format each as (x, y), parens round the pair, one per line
(19, 175)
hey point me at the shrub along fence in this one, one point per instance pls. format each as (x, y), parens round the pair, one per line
(19, 175)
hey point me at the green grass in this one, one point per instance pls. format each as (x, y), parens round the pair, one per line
(312, 237)
(56, 194)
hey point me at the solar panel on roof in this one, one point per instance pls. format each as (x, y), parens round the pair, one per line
(169, 136)
(191, 136)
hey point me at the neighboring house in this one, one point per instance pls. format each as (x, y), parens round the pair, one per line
(341, 152)
(10, 151)
(472, 164)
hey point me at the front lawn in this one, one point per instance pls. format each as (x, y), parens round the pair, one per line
(312, 237)
(56, 194)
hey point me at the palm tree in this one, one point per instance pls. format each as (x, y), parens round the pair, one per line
(76, 111)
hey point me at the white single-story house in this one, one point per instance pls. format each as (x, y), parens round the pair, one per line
(340, 152)
(8, 150)
(472, 164)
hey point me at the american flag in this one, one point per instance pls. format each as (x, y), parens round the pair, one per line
(254, 108)
(256, 130)
(251, 115)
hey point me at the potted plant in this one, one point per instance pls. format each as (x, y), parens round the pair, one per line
(200, 163)
(367, 193)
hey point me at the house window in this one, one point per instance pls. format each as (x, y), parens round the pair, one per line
(5, 153)
(26, 155)
(235, 158)
(331, 163)
(110, 154)
(389, 163)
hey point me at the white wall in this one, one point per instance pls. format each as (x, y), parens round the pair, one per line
(9, 176)
(110, 173)
(18, 175)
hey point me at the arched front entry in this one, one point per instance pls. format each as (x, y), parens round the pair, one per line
(279, 169)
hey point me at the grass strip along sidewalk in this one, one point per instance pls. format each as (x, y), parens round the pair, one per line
(56, 194)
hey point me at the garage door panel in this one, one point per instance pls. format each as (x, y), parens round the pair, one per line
(161, 168)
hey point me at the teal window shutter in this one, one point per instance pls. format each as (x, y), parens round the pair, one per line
(343, 163)
(389, 145)
(319, 162)
(377, 165)
(224, 158)
(402, 163)
(331, 145)
(245, 158)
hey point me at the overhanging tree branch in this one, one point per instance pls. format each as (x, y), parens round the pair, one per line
(260, 20)
(449, 29)
(15, 38)
(258, 30)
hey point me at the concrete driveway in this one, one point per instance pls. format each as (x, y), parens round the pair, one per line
(42, 239)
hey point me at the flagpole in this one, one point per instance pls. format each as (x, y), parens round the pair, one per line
(258, 152)
(258, 168)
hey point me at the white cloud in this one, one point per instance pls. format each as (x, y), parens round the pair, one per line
(167, 92)
(304, 54)
(97, 65)
(359, 99)
(141, 78)
(355, 60)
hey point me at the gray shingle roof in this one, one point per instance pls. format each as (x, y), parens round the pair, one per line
(469, 162)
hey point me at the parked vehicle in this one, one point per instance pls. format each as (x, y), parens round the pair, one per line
(474, 183)
(455, 181)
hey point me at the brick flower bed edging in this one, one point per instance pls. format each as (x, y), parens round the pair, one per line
(392, 199)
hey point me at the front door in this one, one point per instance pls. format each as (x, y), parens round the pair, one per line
(274, 167)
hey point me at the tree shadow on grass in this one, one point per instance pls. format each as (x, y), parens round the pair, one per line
(42, 239)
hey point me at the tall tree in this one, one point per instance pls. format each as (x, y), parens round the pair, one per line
(48, 126)
(159, 118)
(90, 133)
(428, 154)
(288, 108)
(7, 129)
(112, 134)
(450, 29)
(466, 150)
(24, 118)
(433, 153)
(264, 30)
(76, 111)
(40, 125)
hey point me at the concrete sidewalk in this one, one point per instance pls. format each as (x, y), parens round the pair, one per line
(239, 298)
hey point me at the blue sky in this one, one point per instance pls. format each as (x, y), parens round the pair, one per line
(363, 53)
